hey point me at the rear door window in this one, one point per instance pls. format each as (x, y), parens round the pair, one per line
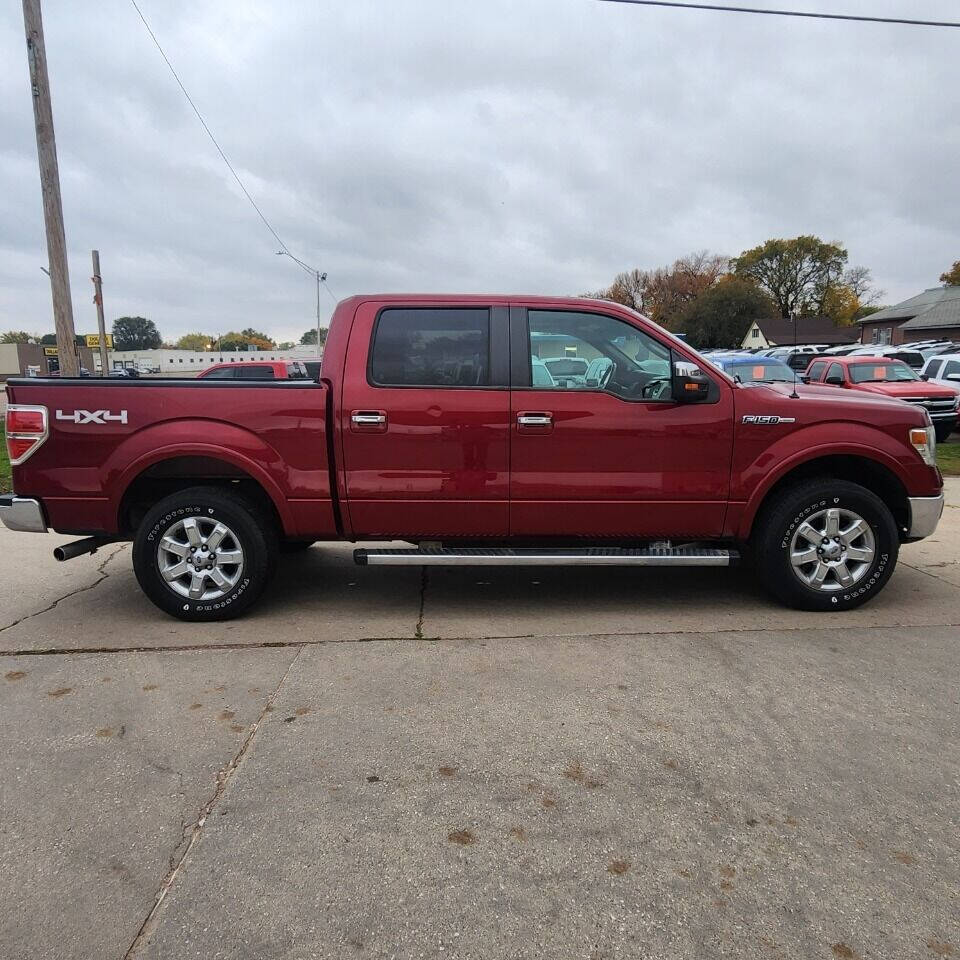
(255, 372)
(431, 347)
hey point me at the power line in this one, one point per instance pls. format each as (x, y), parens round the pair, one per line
(788, 13)
(213, 140)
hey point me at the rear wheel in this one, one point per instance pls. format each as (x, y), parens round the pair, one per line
(204, 554)
(825, 545)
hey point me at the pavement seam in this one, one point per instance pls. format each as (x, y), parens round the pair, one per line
(96, 583)
(223, 778)
(286, 645)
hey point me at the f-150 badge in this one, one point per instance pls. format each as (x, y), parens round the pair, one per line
(769, 421)
(92, 416)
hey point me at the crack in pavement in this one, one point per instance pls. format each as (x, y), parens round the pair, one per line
(96, 583)
(223, 778)
(424, 583)
(925, 569)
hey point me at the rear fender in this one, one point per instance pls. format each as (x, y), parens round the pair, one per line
(233, 445)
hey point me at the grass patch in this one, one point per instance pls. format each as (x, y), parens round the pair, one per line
(6, 482)
(948, 457)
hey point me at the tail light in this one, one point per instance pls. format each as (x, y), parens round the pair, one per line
(27, 428)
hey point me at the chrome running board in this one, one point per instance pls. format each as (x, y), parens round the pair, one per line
(520, 556)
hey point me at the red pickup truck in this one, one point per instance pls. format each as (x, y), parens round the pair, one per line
(437, 421)
(889, 378)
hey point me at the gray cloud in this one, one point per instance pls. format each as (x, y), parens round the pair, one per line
(503, 146)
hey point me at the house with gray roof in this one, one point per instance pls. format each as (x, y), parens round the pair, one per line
(931, 315)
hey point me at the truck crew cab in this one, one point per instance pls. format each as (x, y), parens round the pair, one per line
(441, 421)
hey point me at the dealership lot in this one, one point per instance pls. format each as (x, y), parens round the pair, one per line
(478, 763)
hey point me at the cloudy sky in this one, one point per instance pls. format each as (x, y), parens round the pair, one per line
(446, 145)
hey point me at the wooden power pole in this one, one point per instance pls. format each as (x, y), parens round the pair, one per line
(98, 300)
(50, 185)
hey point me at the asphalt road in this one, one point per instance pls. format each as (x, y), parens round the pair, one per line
(484, 764)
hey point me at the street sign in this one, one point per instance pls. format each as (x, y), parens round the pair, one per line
(93, 341)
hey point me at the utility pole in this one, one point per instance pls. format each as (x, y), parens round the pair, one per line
(50, 185)
(319, 275)
(98, 300)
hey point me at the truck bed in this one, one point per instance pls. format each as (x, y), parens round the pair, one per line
(107, 439)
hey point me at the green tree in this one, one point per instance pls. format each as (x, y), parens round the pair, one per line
(310, 336)
(196, 341)
(798, 274)
(952, 277)
(49, 340)
(135, 333)
(286, 345)
(17, 336)
(721, 316)
(664, 293)
(258, 338)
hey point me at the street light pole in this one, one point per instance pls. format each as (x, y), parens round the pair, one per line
(320, 278)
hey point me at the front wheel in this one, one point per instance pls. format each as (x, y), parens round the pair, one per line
(825, 545)
(204, 554)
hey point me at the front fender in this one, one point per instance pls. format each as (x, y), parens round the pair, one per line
(239, 448)
(759, 465)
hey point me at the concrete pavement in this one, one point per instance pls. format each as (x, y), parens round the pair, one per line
(487, 763)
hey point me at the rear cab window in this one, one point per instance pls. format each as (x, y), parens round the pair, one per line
(431, 347)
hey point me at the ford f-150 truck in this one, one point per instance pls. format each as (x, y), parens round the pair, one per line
(440, 421)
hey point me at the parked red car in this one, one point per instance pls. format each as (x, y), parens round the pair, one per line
(433, 422)
(890, 378)
(256, 370)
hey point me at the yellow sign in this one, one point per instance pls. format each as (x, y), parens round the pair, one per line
(49, 351)
(93, 341)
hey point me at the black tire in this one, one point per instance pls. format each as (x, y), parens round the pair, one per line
(943, 432)
(776, 528)
(250, 529)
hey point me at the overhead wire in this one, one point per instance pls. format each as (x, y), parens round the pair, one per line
(223, 155)
(902, 21)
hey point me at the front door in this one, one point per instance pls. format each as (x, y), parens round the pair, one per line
(425, 421)
(599, 448)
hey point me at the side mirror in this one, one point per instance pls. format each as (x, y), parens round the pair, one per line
(690, 387)
(834, 381)
(924, 376)
(804, 379)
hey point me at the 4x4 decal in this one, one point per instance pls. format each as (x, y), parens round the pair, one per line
(92, 416)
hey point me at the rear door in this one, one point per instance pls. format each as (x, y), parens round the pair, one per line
(425, 420)
(611, 454)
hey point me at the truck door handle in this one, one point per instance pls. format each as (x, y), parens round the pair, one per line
(535, 420)
(368, 421)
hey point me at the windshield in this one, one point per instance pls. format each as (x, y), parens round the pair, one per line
(761, 371)
(881, 372)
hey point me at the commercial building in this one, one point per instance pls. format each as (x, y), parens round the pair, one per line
(931, 315)
(33, 360)
(175, 362)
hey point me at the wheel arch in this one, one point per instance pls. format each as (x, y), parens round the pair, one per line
(165, 472)
(869, 472)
